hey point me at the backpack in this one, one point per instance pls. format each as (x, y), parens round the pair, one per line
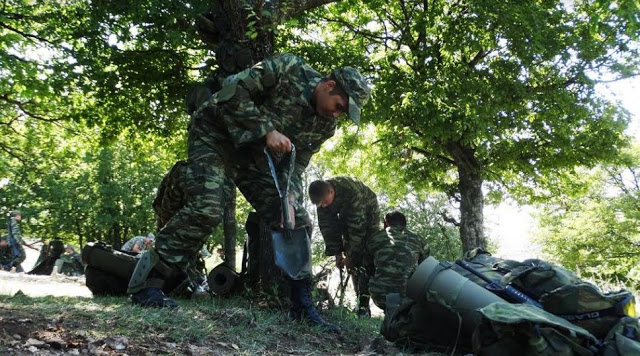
(573, 318)
(523, 329)
(558, 290)
(623, 338)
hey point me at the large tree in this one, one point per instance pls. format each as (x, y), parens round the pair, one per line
(481, 95)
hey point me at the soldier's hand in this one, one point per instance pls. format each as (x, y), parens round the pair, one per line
(277, 142)
(292, 218)
(348, 264)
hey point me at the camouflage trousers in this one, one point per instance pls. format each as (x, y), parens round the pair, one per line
(386, 266)
(212, 164)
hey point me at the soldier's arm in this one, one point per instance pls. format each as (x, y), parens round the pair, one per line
(136, 247)
(237, 98)
(356, 225)
(329, 224)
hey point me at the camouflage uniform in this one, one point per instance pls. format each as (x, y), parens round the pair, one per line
(138, 240)
(351, 224)
(226, 140)
(71, 264)
(7, 260)
(15, 230)
(413, 242)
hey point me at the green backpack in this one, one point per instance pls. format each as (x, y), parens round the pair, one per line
(623, 338)
(559, 291)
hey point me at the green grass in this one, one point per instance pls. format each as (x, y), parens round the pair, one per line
(231, 325)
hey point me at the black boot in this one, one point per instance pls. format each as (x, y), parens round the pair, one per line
(302, 305)
(154, 298)
(363, 307)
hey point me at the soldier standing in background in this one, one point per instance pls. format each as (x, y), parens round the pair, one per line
(11, 256)
(14, 230)
(276, 103)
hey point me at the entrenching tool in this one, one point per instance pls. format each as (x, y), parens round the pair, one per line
(291, 247)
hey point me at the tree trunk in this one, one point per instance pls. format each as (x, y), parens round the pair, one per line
(229, 228)
(471, 197)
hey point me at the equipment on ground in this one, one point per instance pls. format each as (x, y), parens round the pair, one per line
(291, 247)
(435, 282)
(512, 293)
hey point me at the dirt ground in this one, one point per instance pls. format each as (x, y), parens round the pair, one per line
(31, 331)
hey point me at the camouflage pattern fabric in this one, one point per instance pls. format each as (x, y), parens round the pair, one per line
(351, 224)
(71, 264)
(15, 230)
(523, 329)
(171, 194)
(394, 263)
(351, 219)
(623, 338)
(7, 259)
(138, 240)
(226, 139)
(358, 93)
(415, 243)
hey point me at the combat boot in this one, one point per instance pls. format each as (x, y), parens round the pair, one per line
(302, 305)
(153, 297)
(363, 307)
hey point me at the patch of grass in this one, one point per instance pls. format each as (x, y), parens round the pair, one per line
(223, 326)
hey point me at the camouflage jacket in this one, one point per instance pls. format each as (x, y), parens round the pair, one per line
(72, 263)
(350, 220)
(6, 256)
(14, 230)
(274, 94)
(412, 241)
(138, 240)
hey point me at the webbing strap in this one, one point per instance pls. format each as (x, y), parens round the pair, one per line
(443, 265)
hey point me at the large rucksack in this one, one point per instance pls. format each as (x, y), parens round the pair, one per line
(108, 271)
(574, 318)
(559, 291)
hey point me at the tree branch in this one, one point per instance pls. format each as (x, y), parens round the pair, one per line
(429, 154)
(297, 7)
(23, 34)
(21, 105)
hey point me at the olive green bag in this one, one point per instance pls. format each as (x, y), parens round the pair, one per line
(623, 338)
(560, 291)
(525, 330)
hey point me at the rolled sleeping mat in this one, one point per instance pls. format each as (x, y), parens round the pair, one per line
(106, 259)
(222, 279)
(436, 282)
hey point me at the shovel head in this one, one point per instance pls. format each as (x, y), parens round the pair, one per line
(292, 252)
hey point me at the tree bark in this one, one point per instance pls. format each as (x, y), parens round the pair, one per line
(471, 196)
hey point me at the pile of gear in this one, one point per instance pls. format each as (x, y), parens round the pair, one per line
(491, 306)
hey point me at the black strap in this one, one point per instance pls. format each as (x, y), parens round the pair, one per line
(443, 265)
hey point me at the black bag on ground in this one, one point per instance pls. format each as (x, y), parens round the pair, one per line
(49, 253)
(107, 270)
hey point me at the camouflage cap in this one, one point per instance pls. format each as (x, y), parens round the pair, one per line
(356, 87)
